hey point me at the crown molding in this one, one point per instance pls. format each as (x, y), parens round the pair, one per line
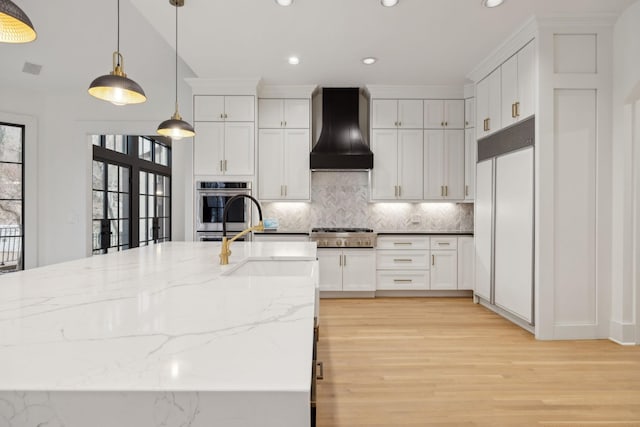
(200, 86)
(415, 92)
(286, 91)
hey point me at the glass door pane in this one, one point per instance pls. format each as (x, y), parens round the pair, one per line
(111, 207)
(11, 197)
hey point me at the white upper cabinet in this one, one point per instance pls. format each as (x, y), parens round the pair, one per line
(470, 158)
(283, 149)
(518, 85)
(397, 170)
(392, 114)
(283, 113)
(223, 148)
(444, 114)
(469, 113)
(283, 164)
(444, 164)
(488, 104)
(216, 108)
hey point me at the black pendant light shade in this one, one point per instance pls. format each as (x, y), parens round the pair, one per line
(175, 127)
(15, 25)
(116, 87)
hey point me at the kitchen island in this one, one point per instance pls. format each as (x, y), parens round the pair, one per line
(158, 336)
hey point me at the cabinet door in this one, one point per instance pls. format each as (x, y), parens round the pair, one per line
(410, 113)
(270, 113)
(514, 233)
(465, 263)
(207, 108)
(410, 158)
(433, 164)
(482, 106)
(454, 164)
(509, 90)
(238, 148)
(296, 164)
(296, 113)
(469, 112)
(527, 80)
(330, 269)
(384, 113)
(444, 270)
(384, 176)
(469, 164)
(270, 164)
(359, 270)
(494, 102)
(433, 113)
(239, 108)
(208, 148)
(483, 219)
(454, 113)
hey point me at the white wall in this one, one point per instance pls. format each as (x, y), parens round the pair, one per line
(625, 278)
(65, 116)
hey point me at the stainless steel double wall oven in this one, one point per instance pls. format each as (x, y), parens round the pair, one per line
(211, 197)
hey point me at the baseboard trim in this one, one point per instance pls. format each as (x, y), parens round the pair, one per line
(622, 333)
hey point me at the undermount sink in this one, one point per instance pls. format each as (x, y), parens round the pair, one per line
(274, 268)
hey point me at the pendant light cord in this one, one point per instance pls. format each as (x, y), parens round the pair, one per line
(118, 43)
(176, 56)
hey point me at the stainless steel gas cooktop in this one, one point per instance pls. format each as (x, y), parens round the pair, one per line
(343, 237)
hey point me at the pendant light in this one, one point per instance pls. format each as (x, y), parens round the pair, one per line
(15, 25)
(116, 87)
(175, 127)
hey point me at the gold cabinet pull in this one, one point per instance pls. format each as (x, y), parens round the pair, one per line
(225, 165)
(344, 262)
(513, 110)
(517, 109)
(433, 260)
(320, 371)
(466, 190)
(402, 243)
(402, 281)
(442, 124)
(340, 260)
(399, 190)
(446, 191)
(402, 260)
(488, 124)
(446, 124)
(221, 170)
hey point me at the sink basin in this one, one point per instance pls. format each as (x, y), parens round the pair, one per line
(281, 268)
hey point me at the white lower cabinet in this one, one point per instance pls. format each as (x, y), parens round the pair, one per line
(466, 263)
(347, 269)
(402, 263)
(444, 263)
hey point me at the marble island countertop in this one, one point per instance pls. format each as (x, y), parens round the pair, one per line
(162, 320)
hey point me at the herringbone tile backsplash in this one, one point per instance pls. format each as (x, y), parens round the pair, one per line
(341, 199)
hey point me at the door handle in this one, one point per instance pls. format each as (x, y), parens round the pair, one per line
(320, 371)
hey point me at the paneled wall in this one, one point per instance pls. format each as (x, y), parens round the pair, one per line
(573, 169)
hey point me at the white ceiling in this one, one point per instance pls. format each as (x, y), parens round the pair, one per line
(417, 42)
(430, 42)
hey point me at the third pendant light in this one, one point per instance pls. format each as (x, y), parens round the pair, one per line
(175, 127)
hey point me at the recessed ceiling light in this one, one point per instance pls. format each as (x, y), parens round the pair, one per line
(294, 60)
(369, 60)
(492, 3)
(284, 2)
(389, 3)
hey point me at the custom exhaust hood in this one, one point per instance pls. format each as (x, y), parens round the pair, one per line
(341, 145)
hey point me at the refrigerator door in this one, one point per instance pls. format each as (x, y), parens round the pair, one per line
(513, 245)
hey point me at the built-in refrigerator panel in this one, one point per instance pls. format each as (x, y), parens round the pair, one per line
(513, 246)
(483, 219)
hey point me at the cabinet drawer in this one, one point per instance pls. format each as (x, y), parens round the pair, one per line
(402, 260)
(402, 281)
(444, 243)
(403, 242)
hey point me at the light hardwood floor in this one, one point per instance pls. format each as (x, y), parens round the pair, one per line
(449, 362)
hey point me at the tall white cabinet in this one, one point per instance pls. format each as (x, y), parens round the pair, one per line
(396, 141)
(284, 142)
(224, 141)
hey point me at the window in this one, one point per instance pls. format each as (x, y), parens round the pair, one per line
(123, 166)
(11, 197)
